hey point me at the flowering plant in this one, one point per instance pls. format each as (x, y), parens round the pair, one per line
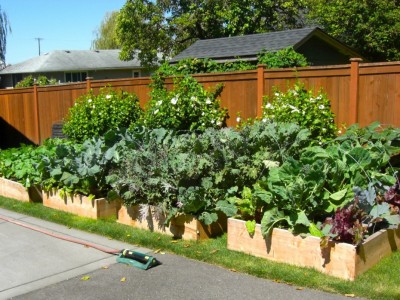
(302, 107)
(93, 115)
(188, 106)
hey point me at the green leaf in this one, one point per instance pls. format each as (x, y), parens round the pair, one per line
(314, 231)
(208, 218)
(380, 209)
(270, 219)
(227, 208)
(251, 227)
(338, 195)
(302, 219)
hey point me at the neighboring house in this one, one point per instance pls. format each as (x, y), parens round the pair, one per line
(73, 66)
(318, 47)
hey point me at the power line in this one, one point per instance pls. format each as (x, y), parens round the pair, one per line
(39, 39)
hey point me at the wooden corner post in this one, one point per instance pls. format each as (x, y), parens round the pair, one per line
(354, 83)
(260, 89)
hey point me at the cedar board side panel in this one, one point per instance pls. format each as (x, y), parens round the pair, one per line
(338, 259)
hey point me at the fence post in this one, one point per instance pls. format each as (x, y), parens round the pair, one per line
(88, 84)
(354, 78)
(36, 112)
(260, 88)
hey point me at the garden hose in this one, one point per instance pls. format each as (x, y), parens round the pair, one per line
(65, 238)
(126, 256)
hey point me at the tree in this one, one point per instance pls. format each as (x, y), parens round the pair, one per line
(4, 29)
(371, 27)
(106, 37)
(157, 30)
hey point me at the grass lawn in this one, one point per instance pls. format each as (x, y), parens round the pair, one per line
(380, 282)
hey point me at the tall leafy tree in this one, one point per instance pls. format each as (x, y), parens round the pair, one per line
(158, 29)
(370, 26)
(106, 37)
(4, 29)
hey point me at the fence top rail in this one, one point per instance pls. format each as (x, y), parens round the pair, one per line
(26, 90)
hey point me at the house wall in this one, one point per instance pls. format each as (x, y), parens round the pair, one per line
(319, 53)
(10, 80)
(115, 74)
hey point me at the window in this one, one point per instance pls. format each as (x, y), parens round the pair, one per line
(75, 76)
(135, 74)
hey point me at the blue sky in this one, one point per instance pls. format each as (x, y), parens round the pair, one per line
(61, 24)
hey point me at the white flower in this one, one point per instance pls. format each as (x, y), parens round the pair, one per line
(321, 106)
(89, 100)
(212, 121)
(108, 96)
(208, 101)
(193, 98)
(294, 109)
(323, 129)
(94, 106)
(159, 103)
(156, 111)
(312, 100)
(339, 132)
(277, 94)
(264, 120)
(270, 164)
(219, 123)
(203, 113)
(174, 100)
(238, 119)
(269, 105)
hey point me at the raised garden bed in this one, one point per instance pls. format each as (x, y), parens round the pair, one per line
(17, 191)
(81, 205)
(186, 226)
(338, 259)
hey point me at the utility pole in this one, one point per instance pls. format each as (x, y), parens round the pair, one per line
(39, 39)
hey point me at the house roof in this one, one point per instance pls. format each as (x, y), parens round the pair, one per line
(248, 46)
(72, 60)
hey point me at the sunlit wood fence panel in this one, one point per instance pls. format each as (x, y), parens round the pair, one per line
(359, 93)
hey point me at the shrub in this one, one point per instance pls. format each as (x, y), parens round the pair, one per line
(29, 81)
(188, 106)
(285, 58)
(93, 115)
(26, 82)
(300, 106)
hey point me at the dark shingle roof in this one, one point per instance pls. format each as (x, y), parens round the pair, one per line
(246, 45)
(72, 60)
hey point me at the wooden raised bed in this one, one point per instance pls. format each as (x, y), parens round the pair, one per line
(17, 191)
(185, 227)
(81, 205)
(338, 259)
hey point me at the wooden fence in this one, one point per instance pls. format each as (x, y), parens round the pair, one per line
(359, 93)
